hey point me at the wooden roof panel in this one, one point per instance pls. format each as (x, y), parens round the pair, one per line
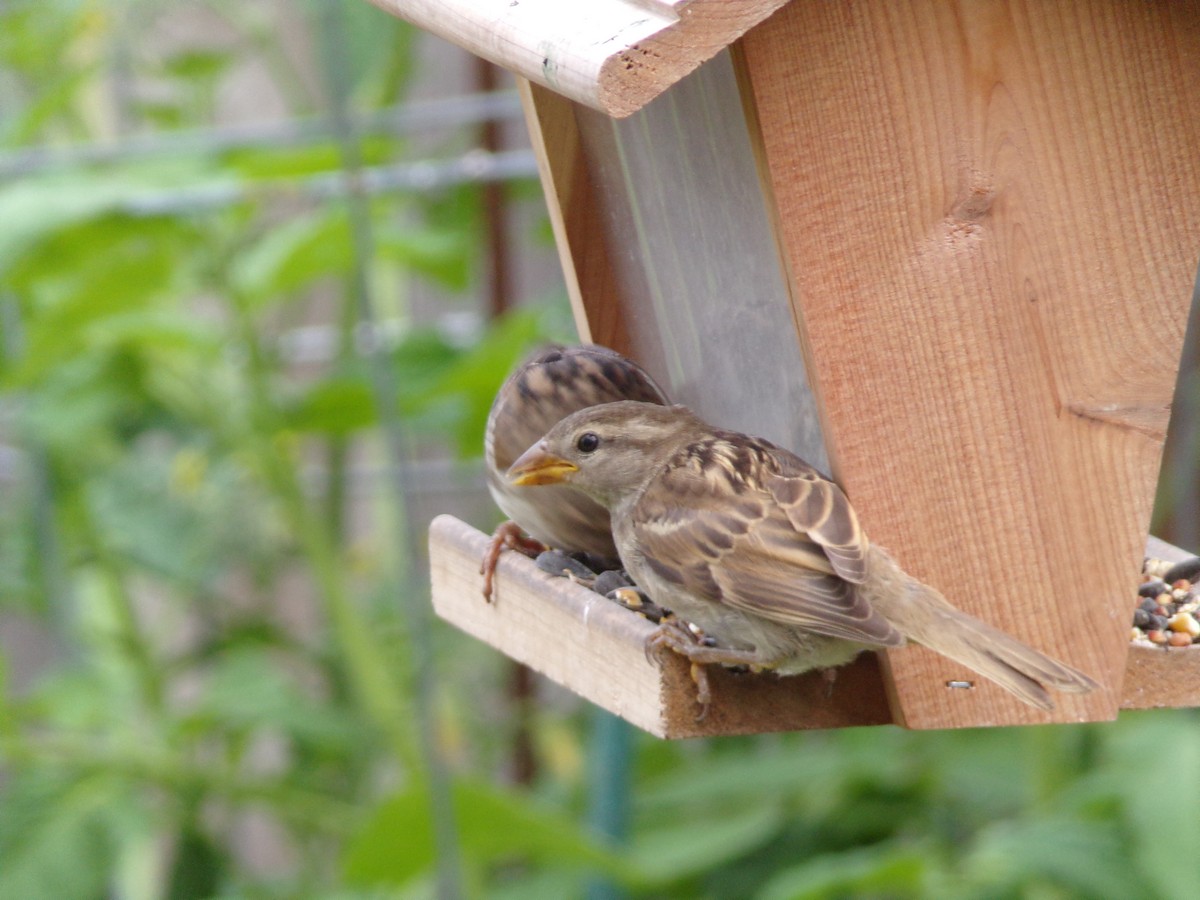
(612, 55)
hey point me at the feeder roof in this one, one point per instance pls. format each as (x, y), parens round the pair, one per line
(612, 55)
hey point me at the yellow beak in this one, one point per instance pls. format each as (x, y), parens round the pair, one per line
(537, 466)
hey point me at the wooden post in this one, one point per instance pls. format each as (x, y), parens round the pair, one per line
(987, 211)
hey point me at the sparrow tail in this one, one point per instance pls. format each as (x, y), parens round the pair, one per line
(927, 618)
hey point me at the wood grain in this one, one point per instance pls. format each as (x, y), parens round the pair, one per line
(612, 55)
(594, 647)
(1161, 677)
(987, 210)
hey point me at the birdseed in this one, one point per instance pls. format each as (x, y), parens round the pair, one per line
(1167, 605)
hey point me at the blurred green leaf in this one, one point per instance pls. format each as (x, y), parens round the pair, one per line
(55, 836)
(271, 163)
(339, 405)
(459, 398)
(419, 361)
(440, 254)
(158, 332)
(1087, 858)
(198, 64)
(395, 846)
(381, 52)
(293, 254)
(1153, 767)
(59, 91)
(197, 870)
(672, 851)
(182, 515)
(36, 208)
(74, 410)
(248, 691)
(880, 871)
(19, 563)
(40, 91)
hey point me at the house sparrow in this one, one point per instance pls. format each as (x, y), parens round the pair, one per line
(754, 546)
(551, 384)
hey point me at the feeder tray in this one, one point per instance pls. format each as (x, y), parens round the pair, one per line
(594, 647)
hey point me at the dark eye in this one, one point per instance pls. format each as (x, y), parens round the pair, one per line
(587, 442)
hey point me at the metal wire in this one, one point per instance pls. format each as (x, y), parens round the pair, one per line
(407, 118)
(424, 176)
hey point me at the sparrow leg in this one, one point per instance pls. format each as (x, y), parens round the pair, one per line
(675, 636)
(508, 536)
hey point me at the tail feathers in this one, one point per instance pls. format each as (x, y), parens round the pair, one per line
(923, 615)
(1013, 665)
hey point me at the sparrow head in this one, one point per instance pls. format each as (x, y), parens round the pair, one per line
(552, 383)
(608, 451)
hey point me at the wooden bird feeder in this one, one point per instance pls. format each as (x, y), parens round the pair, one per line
(943, 250)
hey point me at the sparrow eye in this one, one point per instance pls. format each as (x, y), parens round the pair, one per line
(588, 442)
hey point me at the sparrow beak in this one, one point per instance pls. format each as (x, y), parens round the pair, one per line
(538, 466)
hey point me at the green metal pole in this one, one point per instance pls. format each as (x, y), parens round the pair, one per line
(608, 790)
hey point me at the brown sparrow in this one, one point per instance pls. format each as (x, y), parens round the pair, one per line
(751, 544)
(551, 384)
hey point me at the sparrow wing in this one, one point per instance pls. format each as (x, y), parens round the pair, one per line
(739, 521)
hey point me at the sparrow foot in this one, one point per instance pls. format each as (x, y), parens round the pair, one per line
(508, 536)
(677, 637)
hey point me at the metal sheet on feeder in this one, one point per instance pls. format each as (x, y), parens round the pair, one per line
(696, 262)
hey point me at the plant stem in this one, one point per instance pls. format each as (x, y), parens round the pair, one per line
(366, 663)
(420, 659)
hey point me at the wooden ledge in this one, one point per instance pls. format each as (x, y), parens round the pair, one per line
(594, 647)
(612, 55)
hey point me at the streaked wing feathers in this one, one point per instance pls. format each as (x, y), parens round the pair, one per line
(817, 507)
(744, 523)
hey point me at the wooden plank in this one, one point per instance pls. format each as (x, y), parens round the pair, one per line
(1161, 677)
(987, 212)
(612, 55)
(594, 647)
(575, 208)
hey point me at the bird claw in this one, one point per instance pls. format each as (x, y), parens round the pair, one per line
(675, 636)
(829, 676)
(699, 675)
(508, 536)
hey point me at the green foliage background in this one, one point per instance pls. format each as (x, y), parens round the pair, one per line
(161, 515)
